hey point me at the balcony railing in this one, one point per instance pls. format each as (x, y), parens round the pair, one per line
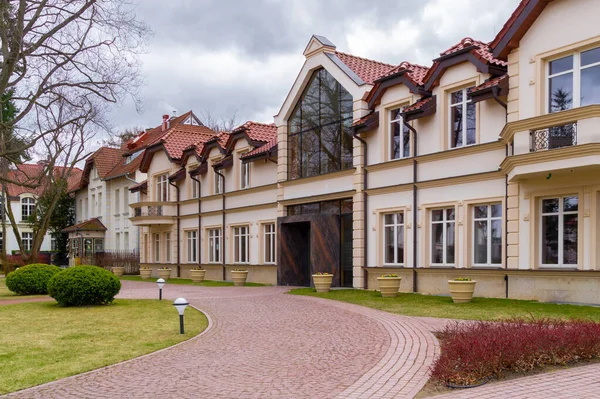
(153, 210)
(554, 137)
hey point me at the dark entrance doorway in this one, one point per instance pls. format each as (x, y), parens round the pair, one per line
(315, 238)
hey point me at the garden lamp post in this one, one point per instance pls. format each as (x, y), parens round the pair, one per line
(161, 283)
(180, 304)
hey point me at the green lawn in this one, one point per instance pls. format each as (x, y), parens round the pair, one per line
(441, 306)
(187, 281)
(42, 342)
(5, 293)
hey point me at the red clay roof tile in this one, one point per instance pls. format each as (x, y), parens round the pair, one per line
(368, 70)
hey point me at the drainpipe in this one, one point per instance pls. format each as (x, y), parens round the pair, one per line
(178, 226)
(138, 229)
(365, 203)
(415, 203)
(224, 252)
(199, 218)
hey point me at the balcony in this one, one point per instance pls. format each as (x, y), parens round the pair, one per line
(554, 137)
(148, 213)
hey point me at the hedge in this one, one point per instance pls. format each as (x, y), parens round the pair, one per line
(31, 279)
(84, 285)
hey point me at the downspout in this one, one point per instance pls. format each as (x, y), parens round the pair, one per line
(139, 244)
(178, 226)
(199, 219)
(224, 252)
(495, 91)
(415, 203)
(365, 207)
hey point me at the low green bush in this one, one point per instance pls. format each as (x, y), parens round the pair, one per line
(31, 279)
(84, 285)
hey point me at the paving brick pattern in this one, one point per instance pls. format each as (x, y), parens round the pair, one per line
(262, 343)
(574, 383)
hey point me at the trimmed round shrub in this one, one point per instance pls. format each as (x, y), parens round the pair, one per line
(84, 285)
(31, 279)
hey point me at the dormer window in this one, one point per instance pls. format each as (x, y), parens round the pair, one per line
(463, 119)
(218, 184)
(399, 136)
(244, 175)
(162, 188)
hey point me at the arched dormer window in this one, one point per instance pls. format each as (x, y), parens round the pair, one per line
(27, 207)
(320, 135)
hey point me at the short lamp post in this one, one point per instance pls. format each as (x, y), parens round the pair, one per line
(180, 304)
(161, 283)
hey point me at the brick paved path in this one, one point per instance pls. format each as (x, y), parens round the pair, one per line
(262, 343)
(574, 383)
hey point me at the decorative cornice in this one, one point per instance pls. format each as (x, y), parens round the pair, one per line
(556, 154)
(318, 198)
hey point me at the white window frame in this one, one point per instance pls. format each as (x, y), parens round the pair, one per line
(162, 188)
(445, 222)
(27, 207)
(241, 234)
(195, 189)
(156, 247)
(244, 174)
(126, 241)
(218, 183)
(167, 247)
(215, 245)
(561, 213)
(269, 236)
(399, 121)
(575, 70)
(117, 241)
(126, 201)
(466, 100)
(27, 239)
(192, 246)
(117, 201)
(397, 226)
(489, 218)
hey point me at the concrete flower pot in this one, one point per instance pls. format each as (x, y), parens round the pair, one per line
(197, 276)
(118, 271)
(462, 291)
(164, 273)
(322, 282)
(239, 277)
(389, 286)
(145, 273)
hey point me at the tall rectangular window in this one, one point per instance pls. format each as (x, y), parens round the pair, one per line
(269, 243)
(80, 214)
(126, 241)
(126, 200)
(86, 208)
(162, 188)
(1, 242)
(195, 189)
(27, 208)
(168, 247)
(463, 117)
(574, 81)
(487, 235)
(27, 239)
(241, 240)
(399, 135)
(244, 175)
(214, 245)
(218, 184)
(100, 204)
(192, 246)
(393, 231)
(93, 211)
(443, 236)
(156, 248)
(559, 231)
(117, 209)
(53, 243)
(118, 241)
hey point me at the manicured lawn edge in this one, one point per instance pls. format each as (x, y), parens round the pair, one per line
(187, 281)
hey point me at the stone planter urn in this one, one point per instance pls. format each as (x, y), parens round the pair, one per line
(462, 289)
(145, 273)
(118, 271)
(389, 284)
(239, 277)
(322, 281)
(164, 273)
(197, 275)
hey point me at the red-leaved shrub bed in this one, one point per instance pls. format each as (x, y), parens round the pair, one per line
(472, 352)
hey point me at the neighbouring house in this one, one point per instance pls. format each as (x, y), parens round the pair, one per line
(23, 202)
(483, 164)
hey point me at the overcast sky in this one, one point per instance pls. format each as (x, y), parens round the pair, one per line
(225, 56)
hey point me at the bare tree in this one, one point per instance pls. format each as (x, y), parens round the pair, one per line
(66, 57)
(219, 124)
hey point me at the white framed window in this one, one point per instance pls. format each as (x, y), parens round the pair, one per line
(218, 184)
(117, 202)
(80, 213)
(244, 174)
(559, 231)
(399, 135)
(27, 207)
(162, 188)
(269, 242)
(214, 245)
(443, 236)
(53, 245)
(100, 204)
(487, 235)
(463, 119)
(393, 238)
(27, 239)
(156, 248)
(573, 81)
(241, 241)
(86, 209)
(195, 189)
(126, 241)
(167, 247)
(126, 200)
(192, 246)
(94, 204)
(118, 241)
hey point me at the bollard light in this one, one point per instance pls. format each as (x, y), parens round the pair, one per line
(180, 304)
(161, 283)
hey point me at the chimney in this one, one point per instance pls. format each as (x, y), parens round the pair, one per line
(164, 122)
